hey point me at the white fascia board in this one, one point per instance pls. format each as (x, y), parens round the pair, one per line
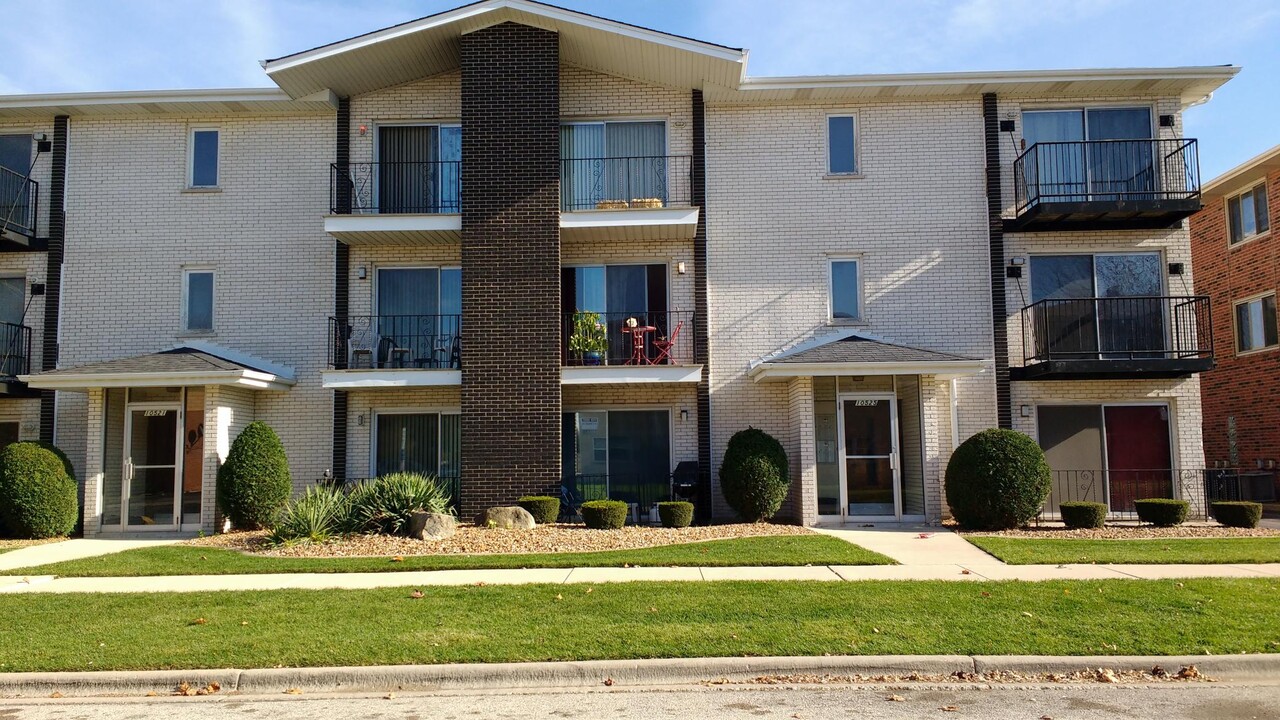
(426, 222)
(131, 97)
(628, 218)
(801, 82)
(630, 374)
(943, 369)
(81, 382)
(373, 379)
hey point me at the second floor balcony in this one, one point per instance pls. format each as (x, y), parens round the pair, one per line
(1101, 338)
(1105, 185)
(15, 359)
(19, 200)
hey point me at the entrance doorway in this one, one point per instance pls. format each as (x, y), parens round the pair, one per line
(869, 450)
(152, 494)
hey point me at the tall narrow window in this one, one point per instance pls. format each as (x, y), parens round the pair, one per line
(197, 300)
(841, 149)
(845, 303)
(1247, 214)
(204, 158)
(1256, 324)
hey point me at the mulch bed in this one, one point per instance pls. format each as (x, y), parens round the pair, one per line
(472, 540)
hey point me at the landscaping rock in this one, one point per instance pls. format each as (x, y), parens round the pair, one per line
(513, 517)
(431, 526)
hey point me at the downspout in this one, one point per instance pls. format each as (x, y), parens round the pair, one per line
(955, 417)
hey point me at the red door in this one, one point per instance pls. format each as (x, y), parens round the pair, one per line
(1139, 462)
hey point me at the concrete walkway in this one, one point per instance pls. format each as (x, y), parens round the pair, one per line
(77, 549)
(914, 545)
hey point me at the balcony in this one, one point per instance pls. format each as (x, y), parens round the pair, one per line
(395, 203)
(627, 198)
(19, 199)
(15, 360)
(636, 347)
(372, 351)
(1105, 185)
(1115, 338)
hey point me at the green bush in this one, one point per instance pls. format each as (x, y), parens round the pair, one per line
(66, 461)
(1237, 514)
(385, 504)
(38, 497)
(675, 514)
(1078, 514)
(323, 511)
(754, 474)
(604, 514)
(997, 480)
(1162, 512)
(254, 482)
(544, 508)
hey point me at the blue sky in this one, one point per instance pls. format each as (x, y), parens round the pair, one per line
(86, 45)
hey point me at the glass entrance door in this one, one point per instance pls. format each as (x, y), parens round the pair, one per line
(151, 467)
(869, 440)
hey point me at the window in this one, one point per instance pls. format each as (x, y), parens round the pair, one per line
(608, 165)
(1256, 324)
(845, 290)
(842, 153)
(204, 158)
(1247, 214)
(419, 170)
(428, 443)
(197, 302)
(617, 454)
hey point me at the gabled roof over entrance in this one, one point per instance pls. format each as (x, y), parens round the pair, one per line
(429, 46)
(186, 365)
(847, 352)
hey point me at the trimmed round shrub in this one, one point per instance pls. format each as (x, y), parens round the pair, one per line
(66, 461)
(1162, 512)
(604, 514)
(997, 480)
(1078, 514)
(37, 493)
(322, 512)
(544, 508)
(386, 504)
(676, 514)
(254, 482)
(1237, 514)
(754, 474)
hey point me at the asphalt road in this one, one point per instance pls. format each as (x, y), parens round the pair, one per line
(1203, 701)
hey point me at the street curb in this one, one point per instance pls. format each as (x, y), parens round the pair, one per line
(596, 673)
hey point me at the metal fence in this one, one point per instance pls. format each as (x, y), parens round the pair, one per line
(654, 338)
(396, 341)
(1117, 489)
(19, 200)
(1117, 328)
(641, 493)
(15, 349)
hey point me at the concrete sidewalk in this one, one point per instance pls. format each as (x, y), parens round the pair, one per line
(914, 545)
(77, 549)
(835, 573)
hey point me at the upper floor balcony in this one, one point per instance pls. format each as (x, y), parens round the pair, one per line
(396, 202)
(19, 198)
(1105, 185)
(649, 346)
(15, 359)
(1103, 338)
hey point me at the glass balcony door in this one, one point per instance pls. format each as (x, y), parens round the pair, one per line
(15, 158)
(1085, 168)
(1099, 306)
(605, 163)
(419, 312)
(618, 454)
(426, 443)
(419, 169)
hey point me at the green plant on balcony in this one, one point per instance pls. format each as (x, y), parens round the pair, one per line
(589, 340)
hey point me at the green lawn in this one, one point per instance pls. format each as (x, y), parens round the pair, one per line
(52, 632)
(1057, 551)
(189, 560)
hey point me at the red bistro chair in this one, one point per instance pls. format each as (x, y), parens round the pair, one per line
(664, 346)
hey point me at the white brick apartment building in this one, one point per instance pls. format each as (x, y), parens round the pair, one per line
(425, 248)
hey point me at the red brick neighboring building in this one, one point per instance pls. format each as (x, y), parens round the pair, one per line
(1236, 251)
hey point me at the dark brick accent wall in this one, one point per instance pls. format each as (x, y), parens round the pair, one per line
(1241, 422)
(53, 271)
(510, 264)
(995, 228)
(341, 285)
(701, 349)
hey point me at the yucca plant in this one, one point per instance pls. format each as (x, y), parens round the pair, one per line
(385, 504)
(321, 513)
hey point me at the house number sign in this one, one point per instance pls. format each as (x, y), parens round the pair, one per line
(154, 413)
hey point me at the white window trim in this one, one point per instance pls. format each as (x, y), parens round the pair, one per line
(191, 157)
(187, 272)
(857, 144)
(373, 429)
(861, 319)
(1226, 208)
(1235, 324)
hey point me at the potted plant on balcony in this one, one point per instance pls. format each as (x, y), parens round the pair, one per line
(589, 341)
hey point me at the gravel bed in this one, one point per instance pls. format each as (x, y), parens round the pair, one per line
(16, 544)
(1132, 532)
(472, 540)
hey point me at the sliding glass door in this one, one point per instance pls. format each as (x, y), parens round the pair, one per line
(15, 161)
(419, 317)
(619, 454)
(603, 164)
(1106, 167)
(426, 443)
(1113, 454)
(419, 168)
(617, 293)
(1098, 306)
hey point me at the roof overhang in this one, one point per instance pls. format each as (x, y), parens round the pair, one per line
(430, 46)
(399, 230)
(1189, 84)
(254, 379)
(374, 379)
(674, 223)
(1243, 175)
(629, 374)
(170, 103)
(774, 371)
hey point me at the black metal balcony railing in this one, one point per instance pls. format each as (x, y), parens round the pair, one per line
(396, 342)
(390, 188)
(1117, 489)
(19, 199)
(15, 350)
(1107, 171)
(1117, 328)
(625, 182)
(654, 338)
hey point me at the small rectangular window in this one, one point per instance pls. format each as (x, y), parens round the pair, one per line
(204, 158)
(1256, 324)
(845, 300)
(1247, 214)
(841, 148)
(198, 300)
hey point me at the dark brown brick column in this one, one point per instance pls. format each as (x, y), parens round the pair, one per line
(53, 275)
(510, 264)
(995, 230)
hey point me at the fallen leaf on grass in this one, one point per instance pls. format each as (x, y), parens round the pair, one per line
(55, 694)
(559, 596)
(397, 559)
(199, 621)
(986, 594)
(417, 595)
(1027, 614)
